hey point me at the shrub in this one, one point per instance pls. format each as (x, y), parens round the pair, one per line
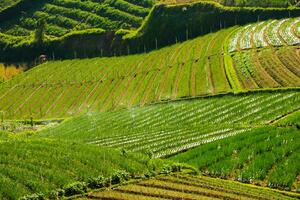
(167, 169)
(98, 182)
(56, 194)
(119, 177)
(75, 188)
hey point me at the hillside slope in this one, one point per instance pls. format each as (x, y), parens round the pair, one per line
(40, 166)
(199, 67)
(173, 127)
(63, 16)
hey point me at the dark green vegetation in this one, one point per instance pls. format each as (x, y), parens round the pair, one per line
(164, 25)
(64, 16)
(187, 187)
(7, 3)
(256, 3)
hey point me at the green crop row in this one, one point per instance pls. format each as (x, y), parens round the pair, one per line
(166, 129)
(197, 67)
(179, 71)
(266, 156)
(178, 186)
(41, 166)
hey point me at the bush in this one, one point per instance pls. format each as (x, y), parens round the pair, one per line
(56, 194)
(98, 182)
(119, 177)
(75, 188)
(167, 169)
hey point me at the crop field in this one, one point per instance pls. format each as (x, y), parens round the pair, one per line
(196, 67)
(186, 187)
(40, 172)
(290, 120)
(267, 33)
(159, 130)
(268, 156)
(66, 88)
(170, 128)
(213, 117)
(268, 68)
(63, 16)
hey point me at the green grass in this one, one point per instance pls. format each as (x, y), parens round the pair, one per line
(41, 165)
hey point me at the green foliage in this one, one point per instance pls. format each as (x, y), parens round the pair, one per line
(167, 23)
(119, 177)
(75, 188)
(56, 194)
(98, 182)
(71, 15)
(7, 3)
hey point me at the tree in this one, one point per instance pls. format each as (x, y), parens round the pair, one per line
(40, 31)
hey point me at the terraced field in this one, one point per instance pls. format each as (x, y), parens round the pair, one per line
(166, 129)
(267, 156)
(224, 105)
(63, 16)
(268, 68)
(197, 67)
(186, 187)
(106, 83)
(41, 172)
(267, 33)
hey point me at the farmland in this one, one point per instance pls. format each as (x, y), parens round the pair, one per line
(267, 33)
(197, 67)
(157, 100)
(271, 159)
(169, 128)
(159, 130)
(186, 187)
(40, 172)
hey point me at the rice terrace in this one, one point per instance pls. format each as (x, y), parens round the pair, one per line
(149, 99)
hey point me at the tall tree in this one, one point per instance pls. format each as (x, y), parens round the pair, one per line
(40, 31)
